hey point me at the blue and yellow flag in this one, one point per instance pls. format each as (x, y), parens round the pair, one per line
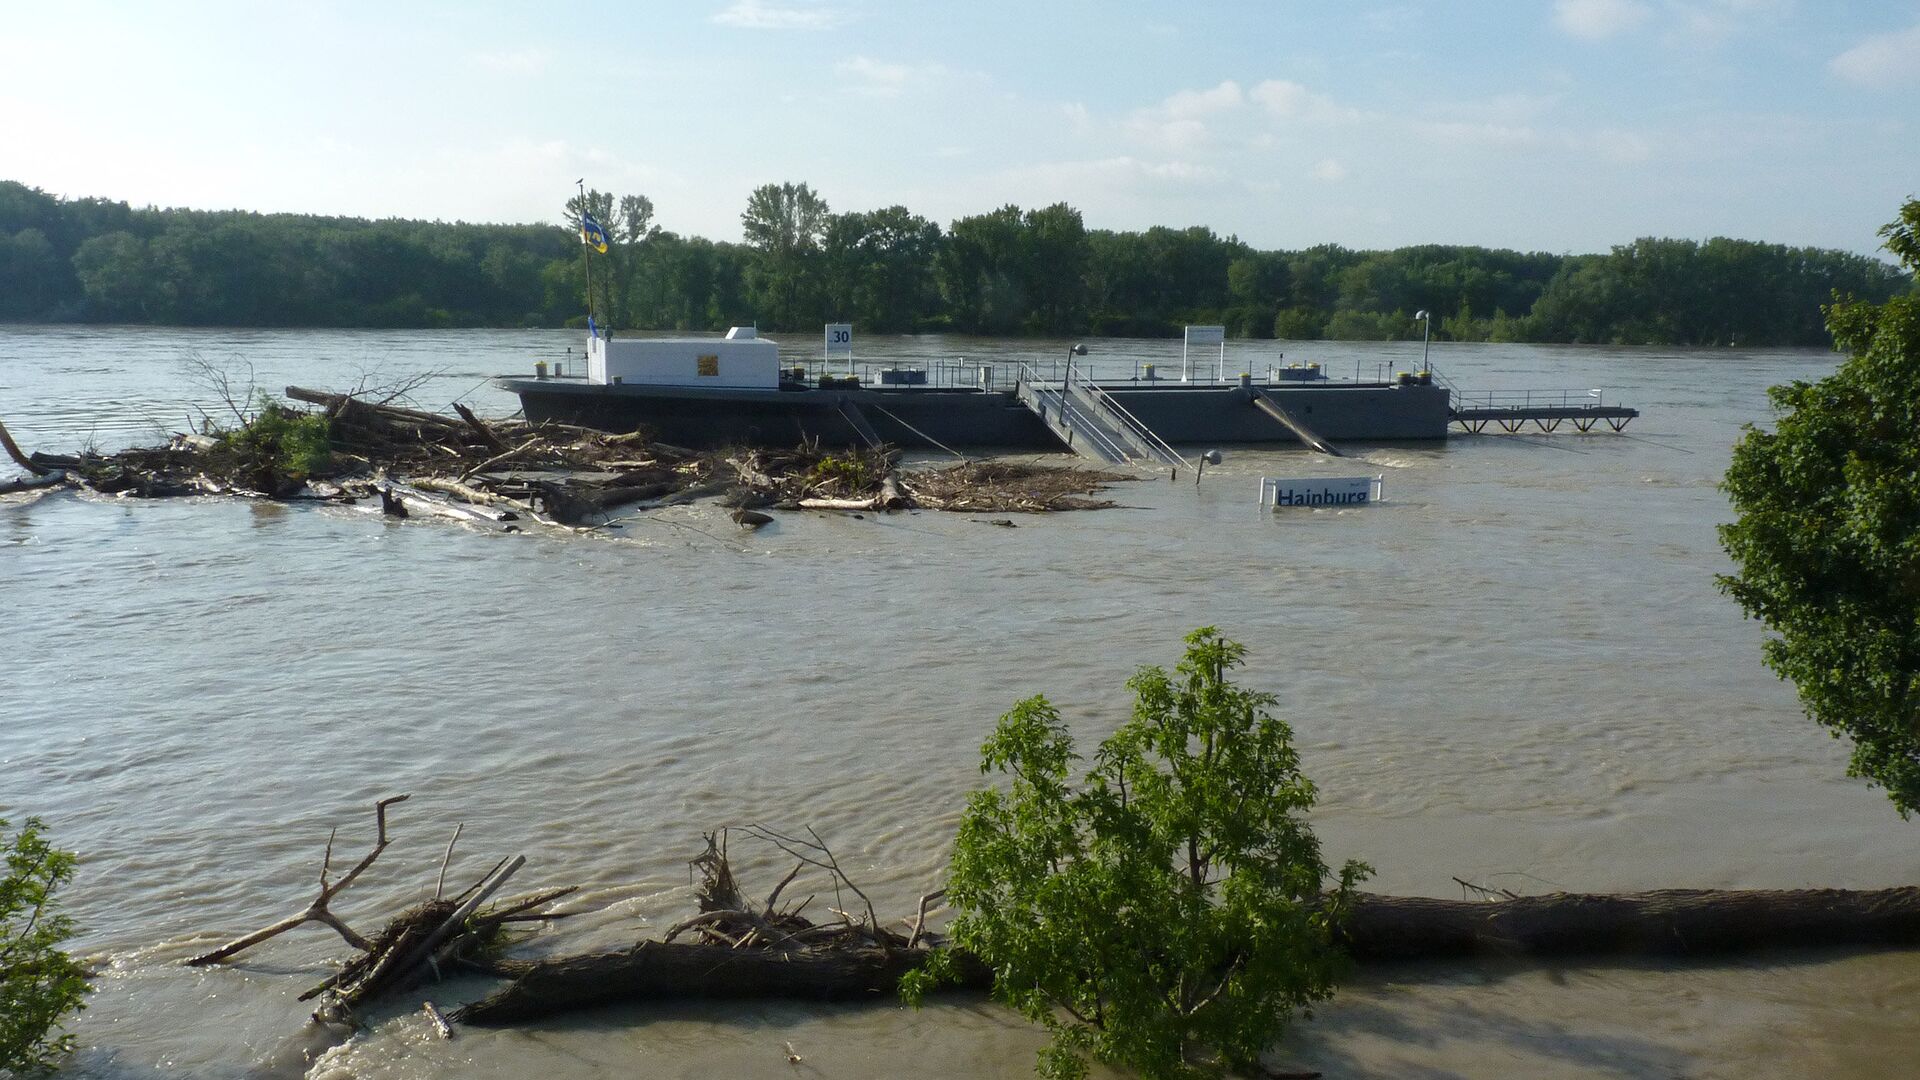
(591, 234)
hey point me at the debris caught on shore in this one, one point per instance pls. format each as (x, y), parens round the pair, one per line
(501, 474)
(423, 943)
(736, 947)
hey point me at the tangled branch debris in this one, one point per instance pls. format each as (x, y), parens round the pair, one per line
(421, 943)
(500, 473)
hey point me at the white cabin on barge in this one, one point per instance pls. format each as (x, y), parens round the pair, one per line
(742, 360)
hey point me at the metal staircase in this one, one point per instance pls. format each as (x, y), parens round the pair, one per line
(1075, 425)
(1091, 422)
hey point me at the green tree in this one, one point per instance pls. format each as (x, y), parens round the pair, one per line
(1826, 545)
(1053, 261)
(879, 268)
(39, 984)
(785, 224)
(1168, 914)
(980, 272)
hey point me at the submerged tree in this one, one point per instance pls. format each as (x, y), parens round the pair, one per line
(1168, 913)
(39, 984)
(1827, 542)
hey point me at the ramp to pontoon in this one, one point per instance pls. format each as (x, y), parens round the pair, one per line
(1076, 426)
(1266, 404)
(1136, 435)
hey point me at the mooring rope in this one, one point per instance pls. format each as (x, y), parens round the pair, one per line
(922, 434)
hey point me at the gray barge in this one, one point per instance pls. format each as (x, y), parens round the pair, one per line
(734, 391)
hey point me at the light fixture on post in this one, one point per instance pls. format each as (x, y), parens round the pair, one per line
(1072, 351)
(1426, 336)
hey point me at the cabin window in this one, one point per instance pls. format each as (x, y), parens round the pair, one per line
(709, 365)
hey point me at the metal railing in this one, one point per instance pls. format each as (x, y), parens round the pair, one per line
(1134, 424)
(1089, 425)
(1529, 399)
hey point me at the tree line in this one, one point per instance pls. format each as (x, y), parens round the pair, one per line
(1006, 272)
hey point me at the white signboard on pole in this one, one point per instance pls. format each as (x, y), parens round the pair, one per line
(839, 340)
(1203, 335)
(1320, 491)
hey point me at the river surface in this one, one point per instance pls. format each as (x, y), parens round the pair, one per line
(1515, 670)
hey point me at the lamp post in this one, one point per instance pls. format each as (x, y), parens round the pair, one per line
(1072, 351)
(1426, 336)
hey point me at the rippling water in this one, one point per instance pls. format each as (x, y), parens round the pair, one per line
(1516, 670)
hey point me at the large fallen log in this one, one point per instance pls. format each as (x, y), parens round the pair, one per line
(30, 483)
(1665, 922)
(338, 401)
(1382, 929)
(655, 970)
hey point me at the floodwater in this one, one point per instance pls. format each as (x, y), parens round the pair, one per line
(1515, 671)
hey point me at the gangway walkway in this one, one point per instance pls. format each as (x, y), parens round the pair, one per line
(1091, 423)
(1073, 424)
(1138, 437)
(1548, 409)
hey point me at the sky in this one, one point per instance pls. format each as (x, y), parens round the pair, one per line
(1555, 125)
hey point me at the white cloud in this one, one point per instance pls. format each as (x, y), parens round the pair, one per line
(761, 15)
(1292, 101)
(1883, 60)
(514, 61)
(1595, 20)
(1192, 103)
(1176, 124)
(1329, 170)
(1169, 134)
(1077, 115)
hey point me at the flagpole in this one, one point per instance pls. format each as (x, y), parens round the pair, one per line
(586, 249)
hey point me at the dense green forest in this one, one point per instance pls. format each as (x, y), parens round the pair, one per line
(1006, 272)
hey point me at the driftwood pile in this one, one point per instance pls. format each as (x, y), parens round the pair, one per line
(493, 472)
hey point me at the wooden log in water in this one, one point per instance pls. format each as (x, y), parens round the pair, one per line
(1382, 929)
(31, 483)
(480, 427)
(337, 402)
(1665, 922)
(469, 493)
(653, 970)
(421, 502)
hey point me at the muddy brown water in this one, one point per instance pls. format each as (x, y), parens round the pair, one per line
(1515, 670)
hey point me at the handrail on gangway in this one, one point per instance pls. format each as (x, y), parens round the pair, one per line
(1091, 427)
(1157, 447)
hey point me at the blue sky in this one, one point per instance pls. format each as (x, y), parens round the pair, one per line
(1559, 125)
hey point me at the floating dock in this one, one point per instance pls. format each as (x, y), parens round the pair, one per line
(1512, 410)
